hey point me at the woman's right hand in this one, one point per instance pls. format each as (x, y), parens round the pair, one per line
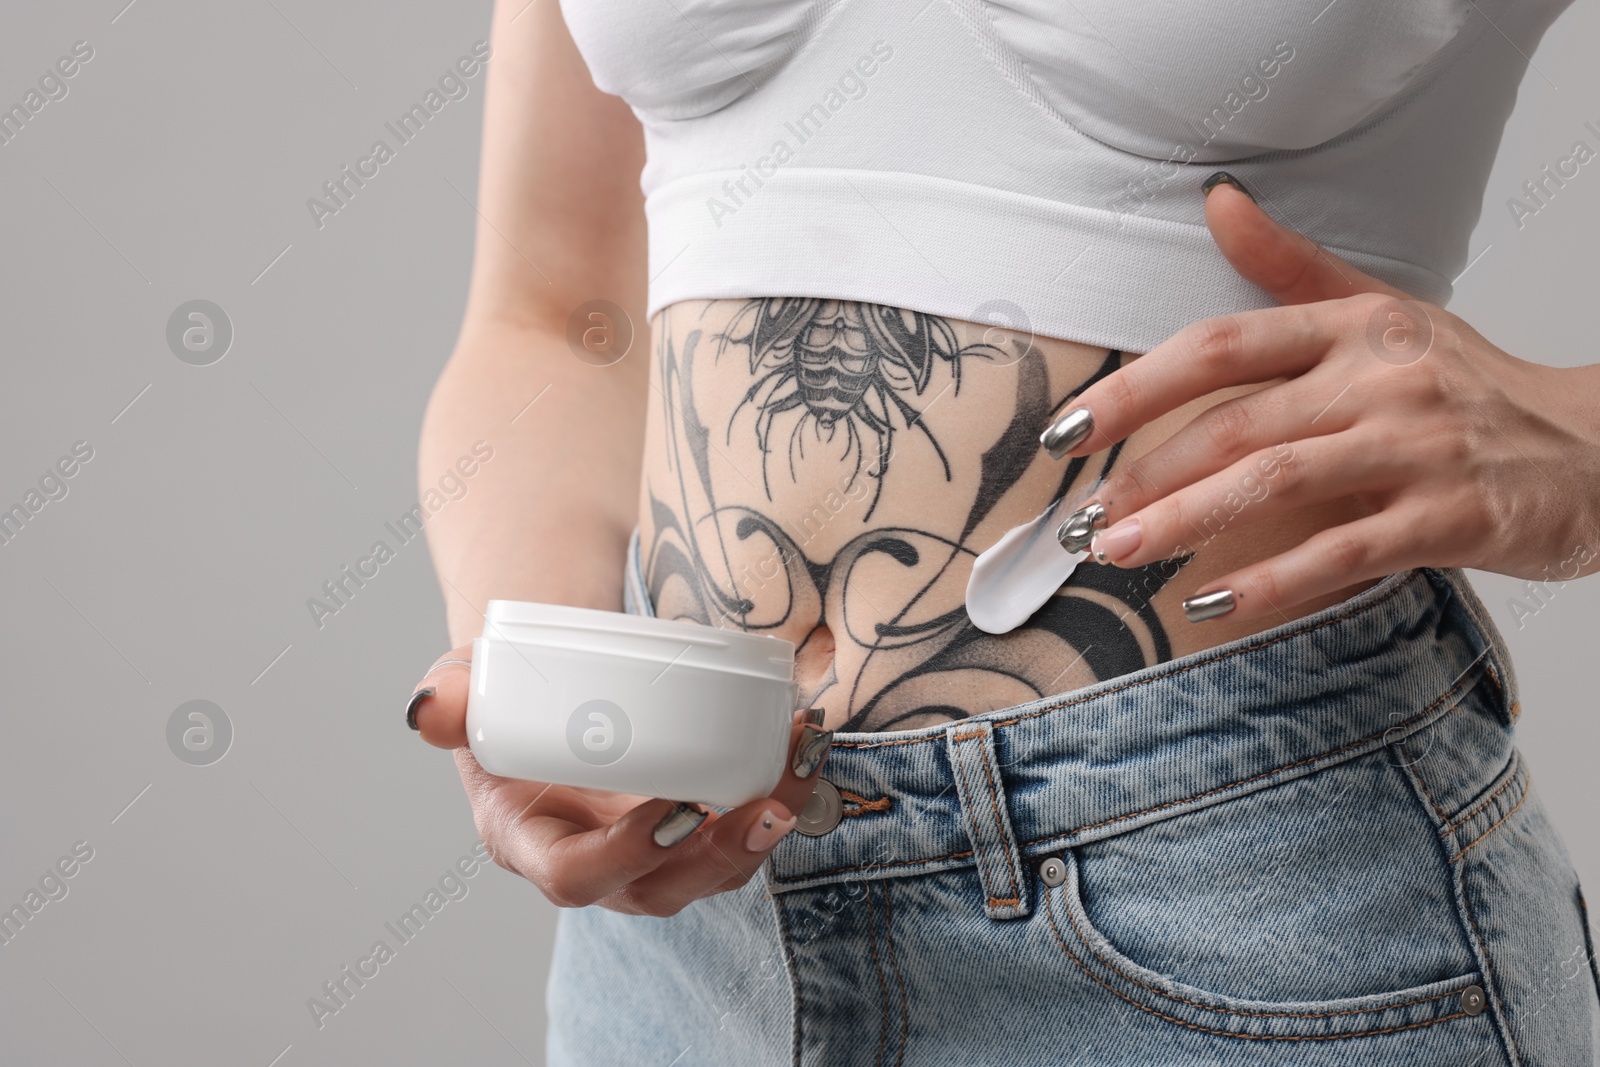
(628, 853)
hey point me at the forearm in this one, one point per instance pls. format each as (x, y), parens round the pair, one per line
(547, 518)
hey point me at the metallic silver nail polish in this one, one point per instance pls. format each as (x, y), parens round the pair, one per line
(812, 748)
(1222, 177)
(1078, 529)
(1067, 432)
(683, 820)
(813, 717)
(1208, 605)
(416, 701)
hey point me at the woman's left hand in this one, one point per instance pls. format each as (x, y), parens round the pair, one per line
(1462, 455)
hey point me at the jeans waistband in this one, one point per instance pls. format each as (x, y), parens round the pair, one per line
(1031, 780)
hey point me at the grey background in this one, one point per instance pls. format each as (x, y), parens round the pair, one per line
(177, 568)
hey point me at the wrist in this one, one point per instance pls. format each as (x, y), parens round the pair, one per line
(1570, 397)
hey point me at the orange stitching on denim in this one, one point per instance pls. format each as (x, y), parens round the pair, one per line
(1157, 678)
(856, 804)
(1494, 675)
(1254, 777)
(888, 744)
(1235, 1011)
(1418, 778)
(875, 866)
(1488, 966)
(1492, 829)
(1512, 774)
(1485, 630)
(995, 902)
(999, 827)
(894, 963)
(883, 982)
(966, 734)
(1502, 687)
(1171, 803)
(1230, 1033)
(985, 859)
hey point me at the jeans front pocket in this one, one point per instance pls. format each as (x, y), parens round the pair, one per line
(1228, 1016)
(1319, 910)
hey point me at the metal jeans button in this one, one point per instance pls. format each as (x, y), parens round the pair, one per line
(1473, 1001)
(822, 812)
(1053, 871)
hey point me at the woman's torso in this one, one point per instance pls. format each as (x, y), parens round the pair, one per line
(827, 471)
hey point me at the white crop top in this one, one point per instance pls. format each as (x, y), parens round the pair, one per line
(968, 159)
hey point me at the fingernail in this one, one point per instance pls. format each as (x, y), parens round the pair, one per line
(1118, 541)
(809, 716)
(1067, 432)
(767, 831)
(1075, 533)
(811, 750)
(416, 701)
(1222, 177)
(681, 821)
(1208, 605)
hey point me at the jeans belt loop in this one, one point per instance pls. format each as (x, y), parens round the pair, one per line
(981, 788)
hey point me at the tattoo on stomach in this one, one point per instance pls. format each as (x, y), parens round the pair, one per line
(826, 471)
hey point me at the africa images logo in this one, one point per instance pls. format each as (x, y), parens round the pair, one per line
(599, 732)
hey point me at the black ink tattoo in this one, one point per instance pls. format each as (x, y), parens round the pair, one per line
(847, 365)
(844, 368)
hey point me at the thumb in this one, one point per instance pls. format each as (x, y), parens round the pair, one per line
(438, 707)
(1287, 264)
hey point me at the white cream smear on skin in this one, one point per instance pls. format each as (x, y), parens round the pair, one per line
(1021, 571)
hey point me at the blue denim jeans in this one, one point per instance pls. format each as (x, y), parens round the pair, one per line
(1312, 846)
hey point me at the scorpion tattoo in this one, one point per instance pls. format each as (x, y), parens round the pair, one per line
(848, 365)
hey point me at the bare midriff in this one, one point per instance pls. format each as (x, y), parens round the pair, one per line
(826, 472)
